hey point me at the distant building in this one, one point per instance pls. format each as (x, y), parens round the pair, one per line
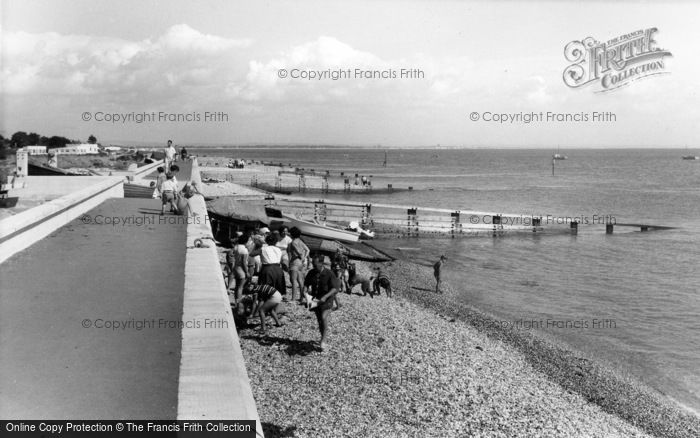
(76, 149)
(35, 150)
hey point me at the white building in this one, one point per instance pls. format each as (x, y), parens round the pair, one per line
(35, 150)
(76, 149)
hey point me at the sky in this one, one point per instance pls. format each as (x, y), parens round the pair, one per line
(235, 73)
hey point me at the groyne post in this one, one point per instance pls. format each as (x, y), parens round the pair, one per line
(412, 221)
(456, 226)
(536, 222)
(367, 216)
(496, 224)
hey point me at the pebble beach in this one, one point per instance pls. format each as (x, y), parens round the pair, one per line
(415, 365)
(426, 364)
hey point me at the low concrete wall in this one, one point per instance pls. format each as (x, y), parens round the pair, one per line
(145, 170)
(28, 227)
(214, 381)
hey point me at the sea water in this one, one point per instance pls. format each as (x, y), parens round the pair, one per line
(630, 299)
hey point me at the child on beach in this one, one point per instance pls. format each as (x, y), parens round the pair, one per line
(168, 190)
(339, 266)
(298, 254)
(437, 268)
(323, 285)
(382, 281)
(239, 269)
(265, 299)
(283, 243)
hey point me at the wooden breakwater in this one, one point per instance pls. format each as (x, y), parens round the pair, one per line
(407, 221)
(285, 180)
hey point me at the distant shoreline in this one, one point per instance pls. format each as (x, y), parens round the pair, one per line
(154, 146)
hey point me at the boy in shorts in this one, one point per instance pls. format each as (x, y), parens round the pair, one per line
(168, 190)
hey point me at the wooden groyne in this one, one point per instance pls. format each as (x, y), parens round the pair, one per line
(388, 220)
(407, 221)
(296, 180)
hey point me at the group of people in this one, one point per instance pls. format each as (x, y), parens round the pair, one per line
(267, 255)
(167, 190)
(258, 260)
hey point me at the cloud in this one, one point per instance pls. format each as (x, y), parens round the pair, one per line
(49, 63)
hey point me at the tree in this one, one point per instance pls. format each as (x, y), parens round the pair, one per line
(58, 142)
(33, 139)
(92, 139)
(19, 139)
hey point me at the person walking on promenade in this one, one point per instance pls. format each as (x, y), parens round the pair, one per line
(159, 183)
(169, 155)
(175, 170)
(323, 285)
(437, 272)
(168, 190)
(298, 255)
(265, 299)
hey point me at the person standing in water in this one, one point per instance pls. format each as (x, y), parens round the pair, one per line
(437, 272)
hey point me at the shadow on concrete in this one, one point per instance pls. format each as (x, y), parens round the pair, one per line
(294, 346)
(149, 211)
(274, 431)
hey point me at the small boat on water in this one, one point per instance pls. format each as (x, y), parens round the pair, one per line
(559, 156)
(690, 157)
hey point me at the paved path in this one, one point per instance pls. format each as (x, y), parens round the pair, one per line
(53, 367)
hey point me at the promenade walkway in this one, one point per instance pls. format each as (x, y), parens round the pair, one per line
(60, 300)
(59, 359)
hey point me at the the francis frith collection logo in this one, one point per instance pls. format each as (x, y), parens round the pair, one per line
(615, 63)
